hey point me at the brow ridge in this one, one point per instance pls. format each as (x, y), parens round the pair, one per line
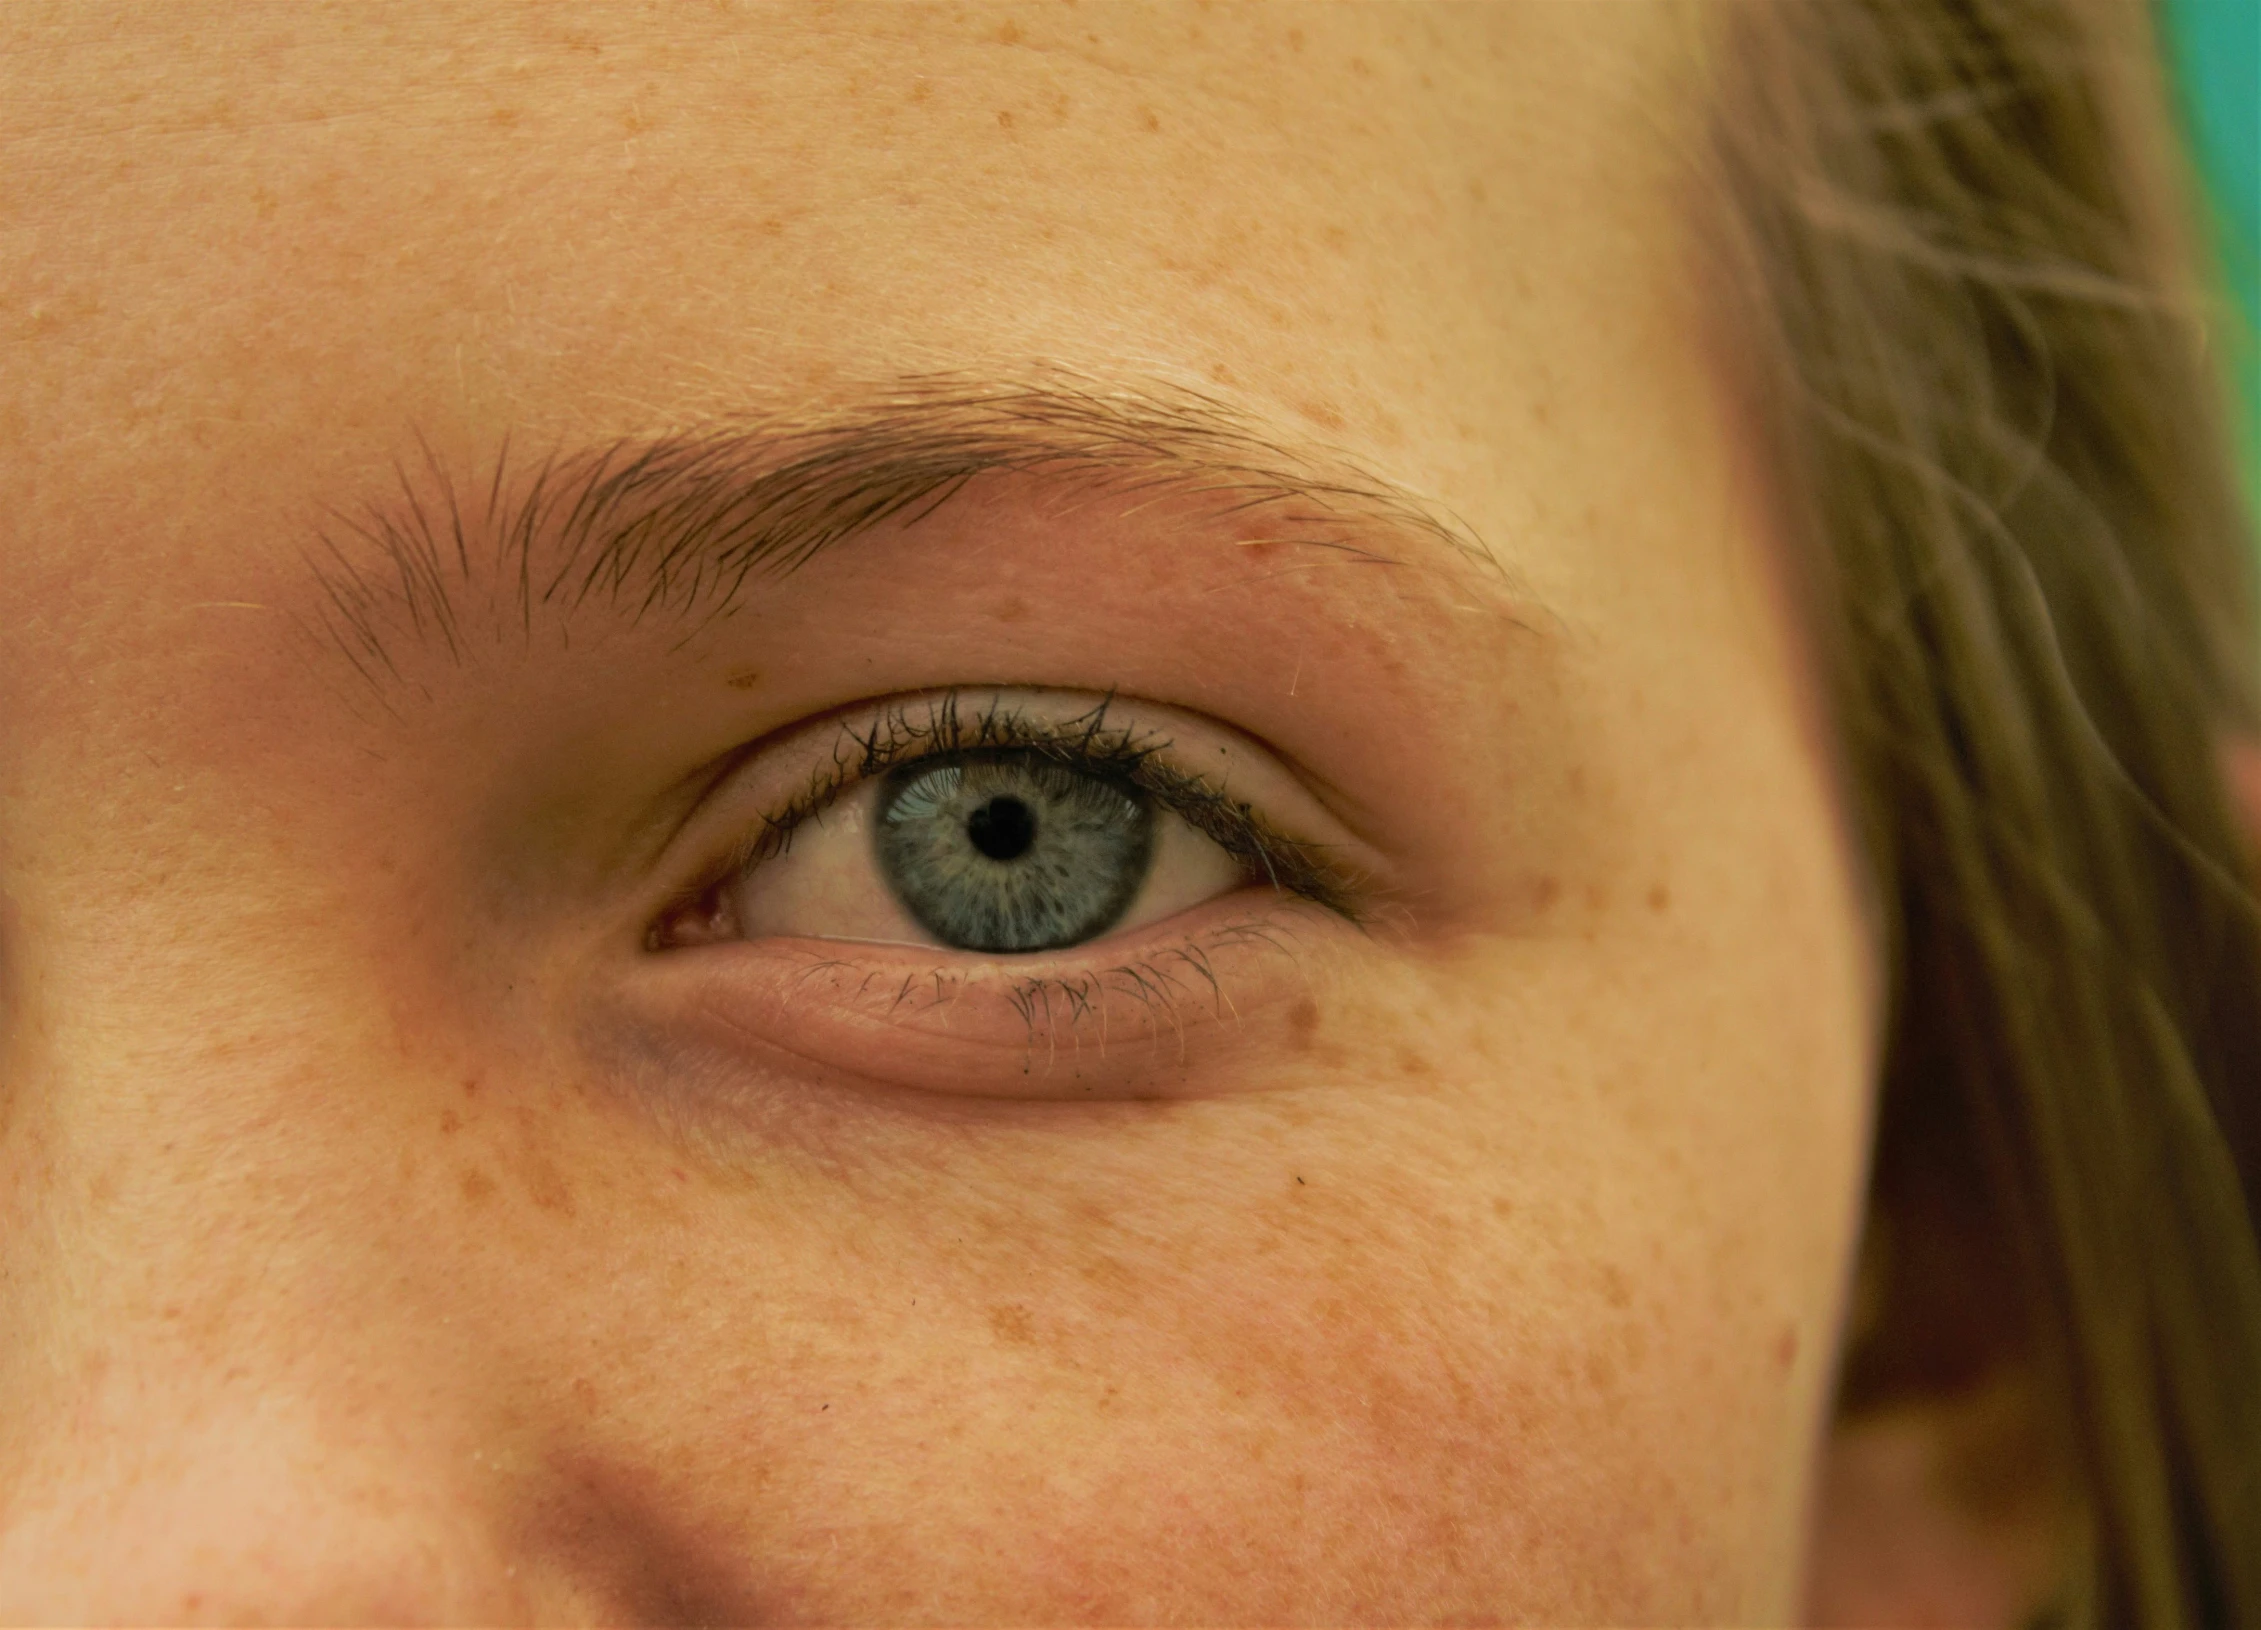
(678, 523)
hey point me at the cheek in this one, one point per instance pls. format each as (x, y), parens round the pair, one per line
(1473, 1320)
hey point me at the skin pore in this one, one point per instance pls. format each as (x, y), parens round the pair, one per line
(402, 1218)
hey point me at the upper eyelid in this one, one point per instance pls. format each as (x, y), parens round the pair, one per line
(828, 786)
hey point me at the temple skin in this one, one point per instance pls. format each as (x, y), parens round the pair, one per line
(389, 1232)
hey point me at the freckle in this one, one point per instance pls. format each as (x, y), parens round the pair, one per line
(1110, 1274)
(1600, 1371)
(470, 1086)
(1545, 892)
(1004, 120)
(1295, 39)
(1303, 1023)
(503, 118)
(1009, 34)
(1413, 1064)
(171, 1310)
(450, 1121)
(1323, 415)
(1614, 1288)
(548, 1189)
(477, 1185)
(1659, 898)
(1012, 1324)
(744, 679)
(1786, 1348)
(1503, 1207)
(1014, 610)
(1597, 896)
(1148, 121)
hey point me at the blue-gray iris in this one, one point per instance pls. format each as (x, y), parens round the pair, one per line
(1007, 851)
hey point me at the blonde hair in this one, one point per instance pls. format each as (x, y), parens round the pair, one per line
(1963, 290)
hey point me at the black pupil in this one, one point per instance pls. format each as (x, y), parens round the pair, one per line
(1002, 829)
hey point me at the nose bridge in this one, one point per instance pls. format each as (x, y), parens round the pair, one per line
(225, 1390)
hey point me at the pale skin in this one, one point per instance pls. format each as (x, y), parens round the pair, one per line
(401, 1224)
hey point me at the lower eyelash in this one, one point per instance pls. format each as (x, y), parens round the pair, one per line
(1158, 980)
(1066, 1012)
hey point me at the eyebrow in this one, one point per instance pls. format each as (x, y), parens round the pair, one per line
(675, 525)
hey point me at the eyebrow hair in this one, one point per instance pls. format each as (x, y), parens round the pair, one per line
(676, 524)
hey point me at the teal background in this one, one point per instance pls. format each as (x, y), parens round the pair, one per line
(2215, 49)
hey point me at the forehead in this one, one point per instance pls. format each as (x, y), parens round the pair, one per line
(281, 241)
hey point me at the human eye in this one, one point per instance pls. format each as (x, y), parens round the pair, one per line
(984, 878)
(1010, 827)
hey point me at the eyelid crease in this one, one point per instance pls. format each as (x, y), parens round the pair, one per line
(914, 729)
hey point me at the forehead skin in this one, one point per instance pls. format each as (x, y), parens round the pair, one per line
(332, 1286)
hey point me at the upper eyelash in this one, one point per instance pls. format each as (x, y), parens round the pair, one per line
(910, 731)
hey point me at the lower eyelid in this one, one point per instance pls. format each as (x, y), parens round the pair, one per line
(1136, 1015)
